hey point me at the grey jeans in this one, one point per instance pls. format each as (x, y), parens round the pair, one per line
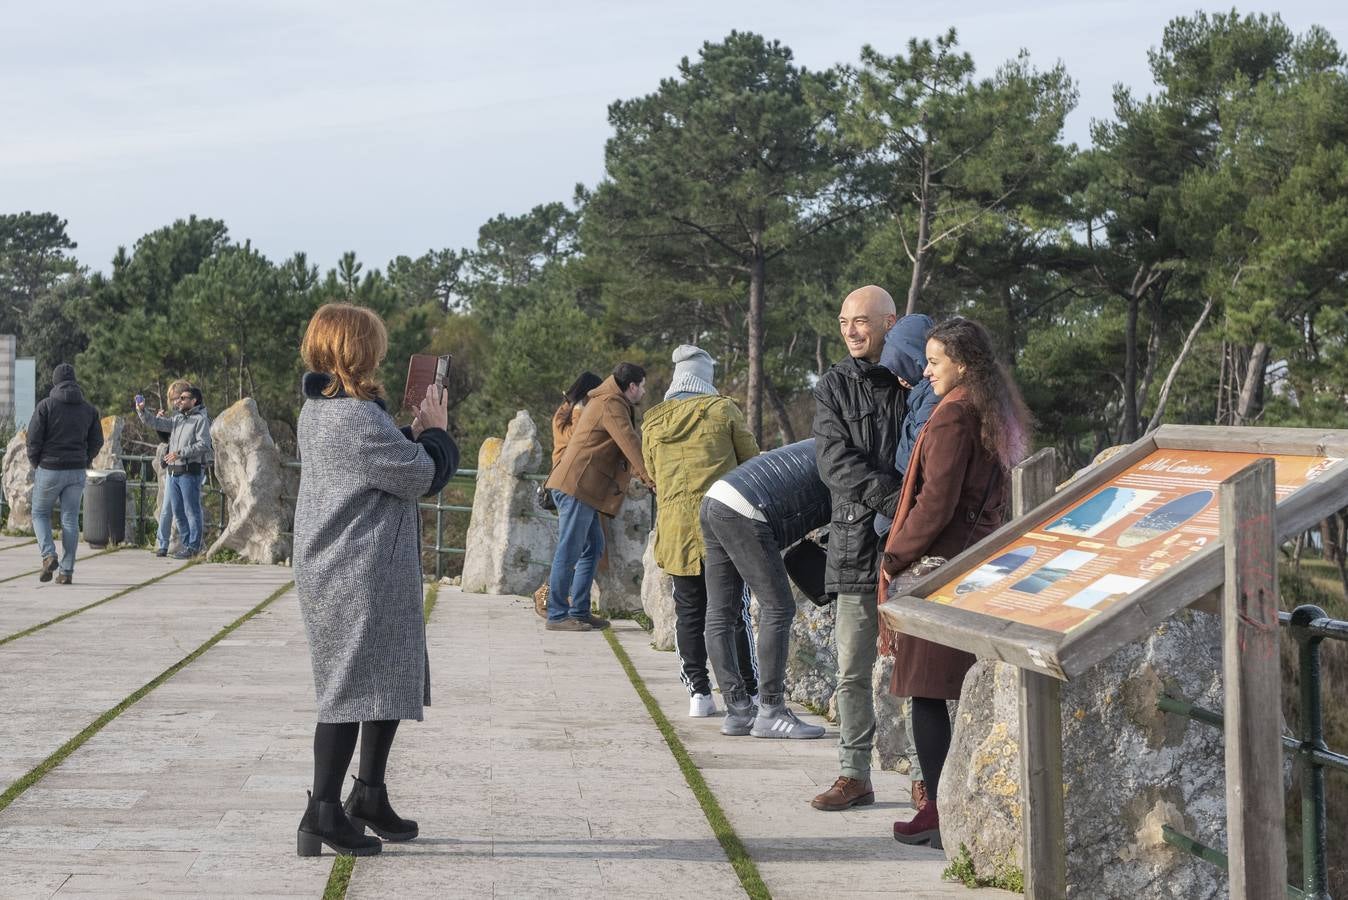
(744, 551)
(857, 627)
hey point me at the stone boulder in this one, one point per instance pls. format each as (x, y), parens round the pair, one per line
(657, 599)
(248, 467)
(510, 539)
(17, 483)
(1128, 768)
(110, 457)
(621, 573)
(812, 659)
(892, 750)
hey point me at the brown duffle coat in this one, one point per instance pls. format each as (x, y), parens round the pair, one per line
(604, 452)
(948, 479)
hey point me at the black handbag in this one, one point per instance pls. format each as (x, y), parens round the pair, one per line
(806, 563)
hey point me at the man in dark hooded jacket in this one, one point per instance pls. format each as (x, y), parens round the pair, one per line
(64, 436)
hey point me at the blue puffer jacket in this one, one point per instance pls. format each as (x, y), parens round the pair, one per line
(905, 354)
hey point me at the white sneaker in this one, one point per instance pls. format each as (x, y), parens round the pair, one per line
(700, 706)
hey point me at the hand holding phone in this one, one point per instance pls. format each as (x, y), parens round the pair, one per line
(433, 411)
(140, 401)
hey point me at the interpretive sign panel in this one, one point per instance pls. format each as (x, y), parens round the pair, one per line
(1119, 550)
(1074, 566)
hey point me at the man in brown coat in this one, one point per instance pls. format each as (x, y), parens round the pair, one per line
(591, 478)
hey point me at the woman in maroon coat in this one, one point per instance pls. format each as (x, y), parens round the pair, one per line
(954, 494)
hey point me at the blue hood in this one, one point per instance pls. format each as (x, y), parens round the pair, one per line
(905, 350)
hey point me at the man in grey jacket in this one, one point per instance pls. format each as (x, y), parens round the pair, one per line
(188, 451)
(64, 436)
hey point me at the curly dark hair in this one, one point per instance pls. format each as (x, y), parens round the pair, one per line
(1005, 418)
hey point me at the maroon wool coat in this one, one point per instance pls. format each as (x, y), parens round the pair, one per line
(953, 474)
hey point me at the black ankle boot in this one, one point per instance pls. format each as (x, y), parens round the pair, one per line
(327, 823)
(368, 805)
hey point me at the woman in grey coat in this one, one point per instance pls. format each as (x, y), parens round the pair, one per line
(358, 571)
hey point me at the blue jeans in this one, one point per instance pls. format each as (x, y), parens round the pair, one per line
(580, 544)
(49, 487)
(182, 502)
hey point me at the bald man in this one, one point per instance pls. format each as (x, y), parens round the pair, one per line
(859, 408)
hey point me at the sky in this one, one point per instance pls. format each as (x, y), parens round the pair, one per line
(398, 127)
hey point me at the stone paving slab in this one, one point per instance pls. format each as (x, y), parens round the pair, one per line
(27, 602)
(185, 793)
(58, 680)
(537, 773)
(8, 542)
(765, 788)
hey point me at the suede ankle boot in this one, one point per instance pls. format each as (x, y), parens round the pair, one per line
(923, 828)
(368, 805)
(327, 823)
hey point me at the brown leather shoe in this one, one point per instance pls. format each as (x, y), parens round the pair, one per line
(845, 794)
(919, 795)
(568, 624)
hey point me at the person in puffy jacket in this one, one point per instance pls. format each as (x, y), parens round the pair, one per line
(749, 517)
(688, 441)
(64, 435)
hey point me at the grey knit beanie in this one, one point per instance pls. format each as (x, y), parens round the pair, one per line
(692, 371)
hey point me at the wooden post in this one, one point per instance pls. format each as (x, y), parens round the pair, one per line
(1256, 839)
(1041, 781)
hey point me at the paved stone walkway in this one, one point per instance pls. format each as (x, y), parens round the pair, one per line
(538, 771)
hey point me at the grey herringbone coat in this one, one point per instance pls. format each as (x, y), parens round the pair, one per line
(358, 563)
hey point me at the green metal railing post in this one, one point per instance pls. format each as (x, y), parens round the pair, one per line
(1314, 829)
(439, 534)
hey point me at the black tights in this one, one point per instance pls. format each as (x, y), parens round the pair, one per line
(334, 744)
(931, 734)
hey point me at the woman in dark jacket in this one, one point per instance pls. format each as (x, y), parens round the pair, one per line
(358, 571)
(954, 493)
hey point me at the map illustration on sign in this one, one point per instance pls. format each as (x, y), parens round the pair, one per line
(1167, 518)
(1080, 562)
(1094, 515)
(1056, 569)
(995, 570)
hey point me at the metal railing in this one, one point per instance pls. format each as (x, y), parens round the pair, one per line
(1309, 626)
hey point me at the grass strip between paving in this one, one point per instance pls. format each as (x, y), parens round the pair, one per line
(41, 769)
(735, 851)
(17, 546)
(75, 612)
(339, 879)
(38, 570)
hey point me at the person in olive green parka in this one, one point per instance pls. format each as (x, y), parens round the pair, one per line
(688, 442)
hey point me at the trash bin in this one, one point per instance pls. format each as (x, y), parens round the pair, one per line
(104, 507)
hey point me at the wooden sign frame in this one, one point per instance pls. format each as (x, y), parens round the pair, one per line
(1066, 655)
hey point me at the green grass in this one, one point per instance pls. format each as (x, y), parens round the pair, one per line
(340, 878)
(432, 594)
(226, 555)
(735, 851)
(75, 612)
(1006, 876)
(17, 546)
(39, 771)
(39, 568)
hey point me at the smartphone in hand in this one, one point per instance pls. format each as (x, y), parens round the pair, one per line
(423, 370)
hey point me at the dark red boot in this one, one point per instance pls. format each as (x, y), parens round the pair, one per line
(923, 828)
